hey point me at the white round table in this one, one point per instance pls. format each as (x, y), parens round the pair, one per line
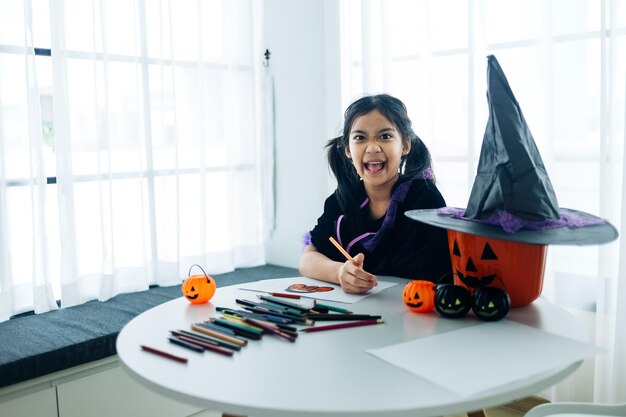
(323, 373)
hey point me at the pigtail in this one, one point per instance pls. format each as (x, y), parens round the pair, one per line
(417, 160)
(348, 182)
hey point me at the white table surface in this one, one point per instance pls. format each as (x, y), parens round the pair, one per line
(322, 373)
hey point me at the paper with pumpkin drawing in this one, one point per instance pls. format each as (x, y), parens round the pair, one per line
(306, 288)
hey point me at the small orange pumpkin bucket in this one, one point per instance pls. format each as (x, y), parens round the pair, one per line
(479, 261)
(199, 288)
(419, 296)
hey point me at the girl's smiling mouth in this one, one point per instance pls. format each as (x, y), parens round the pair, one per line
(374, 166)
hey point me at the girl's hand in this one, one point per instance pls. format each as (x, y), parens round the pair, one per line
(354, 279)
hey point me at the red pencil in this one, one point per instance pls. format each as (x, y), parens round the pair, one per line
(341, 325)
(164, 354)
(282, 294)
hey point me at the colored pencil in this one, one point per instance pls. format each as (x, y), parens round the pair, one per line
(341, 325)
(186, 344)
(271, 329)
(240, 330)
(282, 294)
(279, 308)
(340, 317)
(291, 317)
(212, 326)
(239, 320)
(206, 338)
(262, 319)
(219, 335)
(265, 317)
(282, 308)
(342, 250)
(206, 346)
(246, 303)
(288, 304)
(333, 308)
(164, 354)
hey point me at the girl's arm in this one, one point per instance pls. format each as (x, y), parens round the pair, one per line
(350, 275)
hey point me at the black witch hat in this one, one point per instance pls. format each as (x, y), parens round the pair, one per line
(512, 197)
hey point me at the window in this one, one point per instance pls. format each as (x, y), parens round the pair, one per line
(140, 118)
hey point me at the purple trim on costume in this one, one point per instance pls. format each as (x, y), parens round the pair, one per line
(364, 203)
(397, 197)
(511, 223)
(426, 174)
(356, 239)
(306, 239)
(339, 230)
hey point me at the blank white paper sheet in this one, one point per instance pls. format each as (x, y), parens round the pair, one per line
(485, 356)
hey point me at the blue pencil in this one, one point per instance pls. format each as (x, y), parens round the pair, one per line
(186, 345)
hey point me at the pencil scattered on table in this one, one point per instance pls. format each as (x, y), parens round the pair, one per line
(328, 307)
(271, 315)
(343, 317)
(284, 295)
(294, 313)
(164, 354)
(342, 325)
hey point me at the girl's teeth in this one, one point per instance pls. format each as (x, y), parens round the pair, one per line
(374, 166)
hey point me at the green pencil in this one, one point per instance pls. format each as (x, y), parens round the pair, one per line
(333, 308)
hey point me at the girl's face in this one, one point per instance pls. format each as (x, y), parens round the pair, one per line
(376, 147)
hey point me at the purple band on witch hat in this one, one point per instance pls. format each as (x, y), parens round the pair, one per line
(511, 223)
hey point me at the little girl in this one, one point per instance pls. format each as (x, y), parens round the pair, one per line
(383, 170)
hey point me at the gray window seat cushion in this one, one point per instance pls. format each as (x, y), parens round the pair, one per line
(34, 345)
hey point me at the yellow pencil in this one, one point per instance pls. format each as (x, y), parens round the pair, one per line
(342, 250)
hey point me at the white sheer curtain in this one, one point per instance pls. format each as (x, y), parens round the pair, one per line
(136, 156)
(566, 63)
(23, 282)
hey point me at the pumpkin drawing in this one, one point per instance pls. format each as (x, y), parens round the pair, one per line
(419, 296)
(452, 301)
(199, 288)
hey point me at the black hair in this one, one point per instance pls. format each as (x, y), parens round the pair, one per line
(348, 182)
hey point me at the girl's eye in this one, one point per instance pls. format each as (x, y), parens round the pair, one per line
(358, 137)
(386, 136)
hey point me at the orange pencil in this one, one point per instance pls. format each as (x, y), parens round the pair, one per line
(342, 250)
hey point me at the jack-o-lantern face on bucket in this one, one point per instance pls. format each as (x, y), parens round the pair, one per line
(419, 296)
(490, 303)
(198, 289)
(479, 261)
(452, 301)
(471, 277)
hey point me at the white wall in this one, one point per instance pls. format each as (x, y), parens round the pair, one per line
(303, 37)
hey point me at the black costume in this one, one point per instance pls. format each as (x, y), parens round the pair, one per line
(393, 245)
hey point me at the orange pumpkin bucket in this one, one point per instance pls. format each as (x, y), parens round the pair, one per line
(479, 261)
(199, 288)
(419, 296)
